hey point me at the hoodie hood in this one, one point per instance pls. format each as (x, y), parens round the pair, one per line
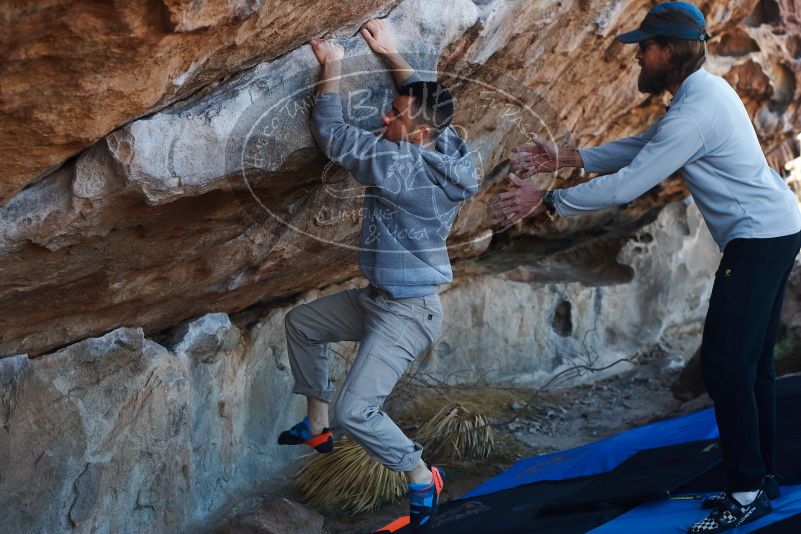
(450, 166)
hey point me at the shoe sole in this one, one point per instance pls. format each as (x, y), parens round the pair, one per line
(322, 443)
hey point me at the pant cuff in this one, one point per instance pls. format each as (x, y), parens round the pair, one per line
(408, 462)
(324, 395)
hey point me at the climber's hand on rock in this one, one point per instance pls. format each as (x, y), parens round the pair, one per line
(378, 36)
(521, 200)
(539, 156)
(327, 52)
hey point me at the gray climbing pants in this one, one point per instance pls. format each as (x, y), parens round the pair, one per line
(392, 332)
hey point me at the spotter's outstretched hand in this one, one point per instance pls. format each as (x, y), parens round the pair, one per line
(521, 200)
(539, 156)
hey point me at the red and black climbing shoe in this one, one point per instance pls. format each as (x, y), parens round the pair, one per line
(423, 501)
(769, 484)
(730, 514)
(301, 434)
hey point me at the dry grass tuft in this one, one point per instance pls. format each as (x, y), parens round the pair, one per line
(348, 480)
(457, 433)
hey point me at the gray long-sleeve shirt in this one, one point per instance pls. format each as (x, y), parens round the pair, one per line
(708, 135)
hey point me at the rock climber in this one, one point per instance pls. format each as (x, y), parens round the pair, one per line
(416, 173)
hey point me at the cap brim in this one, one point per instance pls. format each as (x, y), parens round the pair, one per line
(635, 36)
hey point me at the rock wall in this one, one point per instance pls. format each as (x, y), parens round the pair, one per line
(120, 434)
(198, 189)
(123, 434)
(553, 316)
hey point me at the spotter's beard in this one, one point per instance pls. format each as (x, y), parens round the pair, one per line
(652, 81)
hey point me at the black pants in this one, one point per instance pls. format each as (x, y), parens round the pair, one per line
(737, 353)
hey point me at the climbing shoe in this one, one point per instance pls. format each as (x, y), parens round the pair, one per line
(301, 434)
(730, 514)
(769, 484)
(423, 501)
(395, 526)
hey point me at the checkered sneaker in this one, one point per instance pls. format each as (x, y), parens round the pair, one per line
(714, 500)
(729, 514)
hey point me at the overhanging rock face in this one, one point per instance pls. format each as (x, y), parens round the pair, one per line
(219, 200)
(178, 184)
(74, 71)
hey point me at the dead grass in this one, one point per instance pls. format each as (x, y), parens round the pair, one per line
(348, 480)
(457, 433)
(454, 434)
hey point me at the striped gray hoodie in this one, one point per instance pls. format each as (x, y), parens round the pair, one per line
(410, 203)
